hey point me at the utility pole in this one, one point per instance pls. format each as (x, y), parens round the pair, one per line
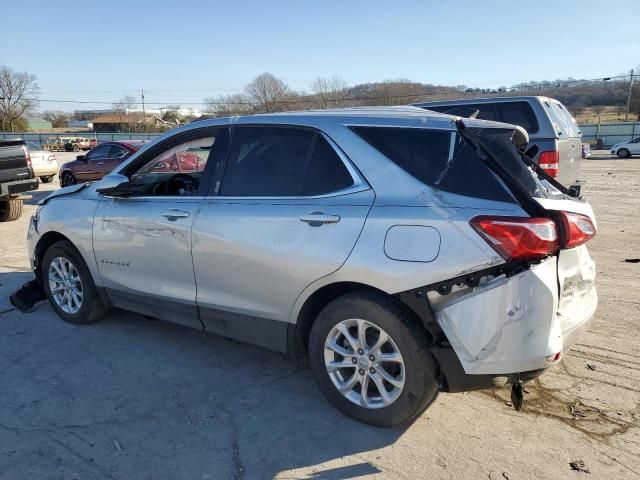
(144, 115)
(626, 116)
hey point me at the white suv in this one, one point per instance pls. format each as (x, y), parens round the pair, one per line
(404, 252)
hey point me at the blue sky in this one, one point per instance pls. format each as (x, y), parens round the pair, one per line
(182, 51)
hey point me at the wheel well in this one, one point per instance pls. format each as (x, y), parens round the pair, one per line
(316, 302)
(43, 245)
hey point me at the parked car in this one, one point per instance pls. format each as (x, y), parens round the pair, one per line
(16, 177)
(75, 144)
(626, 149)
(44, 163)
(378, 242)
(551, 128)
(98, 162)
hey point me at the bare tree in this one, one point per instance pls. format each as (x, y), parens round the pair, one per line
(57, 118)
(331, 92)
(228, 105)
(127, 102)
(18, 96)
(122, 107)
(268, 93)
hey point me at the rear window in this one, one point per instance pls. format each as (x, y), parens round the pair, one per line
(563, 122)
(439, 158)
(516, 113)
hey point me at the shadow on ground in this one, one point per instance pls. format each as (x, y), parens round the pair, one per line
(133, 397)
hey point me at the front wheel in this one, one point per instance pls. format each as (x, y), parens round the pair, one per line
(69, 286)
(623, 153)
(67, 179)
(47, 179)
(370, 357)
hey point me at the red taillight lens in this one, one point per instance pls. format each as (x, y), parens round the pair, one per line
(550, 162)
(518, 238)
(27, 155)
(577, 229)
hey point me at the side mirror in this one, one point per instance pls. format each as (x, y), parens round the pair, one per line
(81, 157)
(114, 185)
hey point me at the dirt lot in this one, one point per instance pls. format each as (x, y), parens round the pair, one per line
(135, 398)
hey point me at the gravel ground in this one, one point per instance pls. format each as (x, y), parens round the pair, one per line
(135, 398)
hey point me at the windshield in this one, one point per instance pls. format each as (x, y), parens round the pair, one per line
(33, 146)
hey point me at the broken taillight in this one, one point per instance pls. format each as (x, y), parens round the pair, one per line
(578, 229)
(550, 162)
(518, 238)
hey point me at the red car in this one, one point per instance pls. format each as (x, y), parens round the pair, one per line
(98, 162)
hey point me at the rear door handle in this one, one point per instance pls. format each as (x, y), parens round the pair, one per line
(318, 218)
(174, 214)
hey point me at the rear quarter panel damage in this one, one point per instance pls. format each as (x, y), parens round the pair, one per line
(506, 325)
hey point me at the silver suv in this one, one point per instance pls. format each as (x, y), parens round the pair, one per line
(404, 252)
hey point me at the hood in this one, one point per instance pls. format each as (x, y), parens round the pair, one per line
(64, 191)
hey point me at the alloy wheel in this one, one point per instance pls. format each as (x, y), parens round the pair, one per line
(65, 285)
(364, 363)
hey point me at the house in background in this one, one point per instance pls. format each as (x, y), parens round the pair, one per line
(36, 124)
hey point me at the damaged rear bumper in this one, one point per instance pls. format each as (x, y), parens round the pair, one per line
(509, 326)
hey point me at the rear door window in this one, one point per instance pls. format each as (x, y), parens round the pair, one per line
(282, 162)
(118, 152)
(439, 158)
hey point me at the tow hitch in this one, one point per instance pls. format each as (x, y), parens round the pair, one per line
(517, 394)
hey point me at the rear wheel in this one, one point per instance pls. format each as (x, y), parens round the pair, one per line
(371, 360)
(69, 286)
(10, 209)
(47, 179)
(67, 179)
(623, 153)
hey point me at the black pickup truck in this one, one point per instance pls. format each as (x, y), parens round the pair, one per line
(16, 177)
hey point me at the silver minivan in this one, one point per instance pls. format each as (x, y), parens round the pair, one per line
(554, 136)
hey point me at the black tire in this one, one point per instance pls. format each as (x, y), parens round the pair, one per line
(10, 209)
(67, 179)
(47, 179)
(92, 308)
(421, 385)
(623, 153)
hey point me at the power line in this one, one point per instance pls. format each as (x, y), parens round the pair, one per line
(515, 88)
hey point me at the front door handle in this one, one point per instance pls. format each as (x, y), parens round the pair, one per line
(174, 214)
(316, 219)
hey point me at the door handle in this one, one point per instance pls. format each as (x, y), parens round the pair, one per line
(174, 214)
(315, 219)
